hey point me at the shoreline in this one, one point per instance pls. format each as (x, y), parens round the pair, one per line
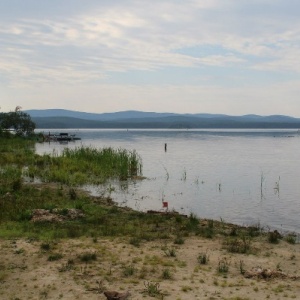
(213, 260)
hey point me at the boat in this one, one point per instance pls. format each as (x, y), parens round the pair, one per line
(61, 137)
(64, 136)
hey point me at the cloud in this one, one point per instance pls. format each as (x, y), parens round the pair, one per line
(150, 32)
(86, 43)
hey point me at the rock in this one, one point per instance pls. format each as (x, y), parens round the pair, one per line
(112, 295)
(268, 274)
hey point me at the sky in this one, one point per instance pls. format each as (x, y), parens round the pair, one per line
(233, 57)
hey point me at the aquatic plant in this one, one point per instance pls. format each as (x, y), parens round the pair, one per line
(90, 165)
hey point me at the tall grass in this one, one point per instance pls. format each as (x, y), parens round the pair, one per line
(16, 151)
(108, 162)
(74, 167)
(88, 165)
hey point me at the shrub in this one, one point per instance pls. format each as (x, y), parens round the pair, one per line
(274, 236)
(238, 245)
(223, 265)
(179, 240)
(291, 239)
(129, 271)
(55, 256)
(166, 274)
(152, 289)
(170, 252)
(88, 256)
(45, 246)
(203, 258)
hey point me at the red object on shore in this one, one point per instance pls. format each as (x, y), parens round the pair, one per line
(165, 204)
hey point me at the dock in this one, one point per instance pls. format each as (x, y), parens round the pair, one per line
(61, 137)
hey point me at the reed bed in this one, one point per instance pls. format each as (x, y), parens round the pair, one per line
(84, 165)
(78, 166)
(74, 167)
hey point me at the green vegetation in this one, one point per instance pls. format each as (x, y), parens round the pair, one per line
(57, 194)
(59, 175)
(291, 239)
(203, 258)
(74, 167)
(223, 265)
(88, 256)
(274, 237)
(238, 244)
(18, 121)
(152, 289)
(129, 270)
(55, 256)
(166, 274)
(72, 213)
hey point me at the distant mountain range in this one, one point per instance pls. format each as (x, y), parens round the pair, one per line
(60, 118)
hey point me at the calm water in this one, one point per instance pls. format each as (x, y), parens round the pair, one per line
(241, 176)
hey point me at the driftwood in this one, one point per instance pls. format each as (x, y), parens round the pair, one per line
(268, 274)
(112, 295)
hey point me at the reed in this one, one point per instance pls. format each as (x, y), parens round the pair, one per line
(88, 165)
(74, 167)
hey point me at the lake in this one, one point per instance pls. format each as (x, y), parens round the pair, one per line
(240, 176)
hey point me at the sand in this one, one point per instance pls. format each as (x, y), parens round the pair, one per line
(27, 271)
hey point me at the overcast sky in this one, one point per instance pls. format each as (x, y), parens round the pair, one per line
(194, 56)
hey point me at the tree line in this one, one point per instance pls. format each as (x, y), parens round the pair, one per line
(17, 122)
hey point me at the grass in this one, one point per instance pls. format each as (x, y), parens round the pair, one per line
(291, 239)
(129, 270)
(62, 174)
(170, 252)
(102, 219)
(203, 258)
(166, 274)
(88, 257)
(274, 237)
(238, 244)
(223, 265)
(73, 167)
(55, 256)
(152, 289)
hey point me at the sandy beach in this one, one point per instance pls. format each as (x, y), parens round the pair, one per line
(84, 268)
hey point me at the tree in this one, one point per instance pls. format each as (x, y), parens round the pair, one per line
(17, 120)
